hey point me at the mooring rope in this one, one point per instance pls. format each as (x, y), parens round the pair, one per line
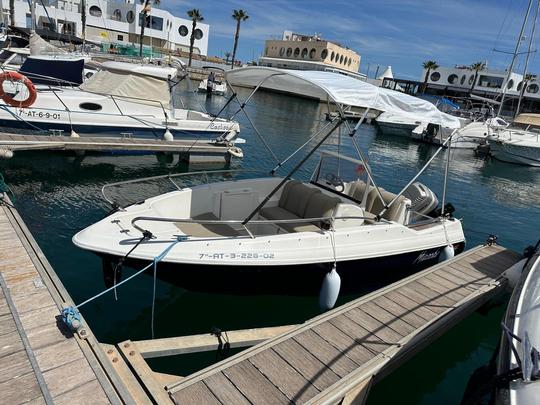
(71, 313)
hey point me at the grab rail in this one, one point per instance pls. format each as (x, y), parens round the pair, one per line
(169, 177)
(240, 222)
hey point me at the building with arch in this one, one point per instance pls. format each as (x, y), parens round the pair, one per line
(309, 52)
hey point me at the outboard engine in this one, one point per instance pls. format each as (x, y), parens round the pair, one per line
(423, 200)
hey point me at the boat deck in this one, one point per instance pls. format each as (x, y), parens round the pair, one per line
(336, 355)
(197, 149)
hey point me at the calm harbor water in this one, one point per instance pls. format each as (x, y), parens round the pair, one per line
(57, 195)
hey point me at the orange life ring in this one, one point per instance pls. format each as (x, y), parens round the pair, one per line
(8, 99)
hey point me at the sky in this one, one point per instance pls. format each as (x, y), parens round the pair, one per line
(399, 33)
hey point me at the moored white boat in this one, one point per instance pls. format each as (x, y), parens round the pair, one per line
(120, 98)
(252, 226)
(518, 363)
(519, 142)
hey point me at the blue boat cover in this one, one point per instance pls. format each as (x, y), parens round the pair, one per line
(53, 71)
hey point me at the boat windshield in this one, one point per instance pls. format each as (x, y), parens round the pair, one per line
(339, 173)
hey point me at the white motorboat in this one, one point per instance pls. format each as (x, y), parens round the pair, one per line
(254, 226)
(216, 87)
(396, 124)
(518, 362)
(476, 133)
(120, 98)
(519, 142)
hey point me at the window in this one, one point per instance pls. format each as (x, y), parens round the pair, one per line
(463, 78)
(341, 59)
(453, 78)
(289, 52)
(95, 11)
(296, 52)
(183, 30)
(324, 54)
(304, 53)
(510, 84)
(471, 80)
(156, 23)
(519, 86)
(312, 53)
(492, 82)
(532, 88)
(116, 15)
(281, 51)
(435, 76)
(90, 106)
(120, 37)
(130, 16)
(350, 60)
(198, 34)
(345, 61)
(332, 56)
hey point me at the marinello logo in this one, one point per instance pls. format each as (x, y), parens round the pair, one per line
(426, 256)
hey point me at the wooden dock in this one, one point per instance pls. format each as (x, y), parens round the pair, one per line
(195, 150)
(334, 357)
(338, 355)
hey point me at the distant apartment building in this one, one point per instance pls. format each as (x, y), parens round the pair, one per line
(111, 21)
(309, 52)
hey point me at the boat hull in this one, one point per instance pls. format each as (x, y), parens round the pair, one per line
(396, 129)
(356, 275)
(512, 153)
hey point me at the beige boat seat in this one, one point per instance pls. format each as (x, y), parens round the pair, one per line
(398, 212)
(357, 190)
(208, 230)
(301, 201)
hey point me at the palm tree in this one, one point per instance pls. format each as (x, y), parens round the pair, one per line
(147, 5)
(478, 66)
(83, 19)
(227, 56)
(12, 12)
(429, 65)
(195, 16)
(239, 16)
(526, 79)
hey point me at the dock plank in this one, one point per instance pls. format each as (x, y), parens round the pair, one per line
(253, 385)
(280, 373)
(224, 390)
(311, 368)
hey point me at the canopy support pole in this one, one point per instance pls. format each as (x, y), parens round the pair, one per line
(300, 148)
(386, 206)
(352, 132)
(242, 105)
(294, 170)
(446, 169)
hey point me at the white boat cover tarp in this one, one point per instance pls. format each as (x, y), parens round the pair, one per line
(343, 90)
(144, 89)
(38, 46)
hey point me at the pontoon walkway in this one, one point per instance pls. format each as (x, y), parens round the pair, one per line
(338, 354)
(195, 149)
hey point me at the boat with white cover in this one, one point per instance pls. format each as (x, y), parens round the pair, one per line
(276, 224)
(119, 98)
(518, 366)
(519, 142)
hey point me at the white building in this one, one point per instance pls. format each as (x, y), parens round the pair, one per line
(113, 21)
(487, 81)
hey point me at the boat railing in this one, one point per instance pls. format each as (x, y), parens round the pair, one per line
(170, 177)
(322, 220)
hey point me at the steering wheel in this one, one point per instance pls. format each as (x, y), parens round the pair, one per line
(332, 179)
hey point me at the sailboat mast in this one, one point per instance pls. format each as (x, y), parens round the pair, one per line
(525, 68)
(514, 56)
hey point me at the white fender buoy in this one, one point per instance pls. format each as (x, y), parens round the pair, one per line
(329, 290)
(168, 136)
(74, 134)
(446, 254)
(513, 273)
(6, 153)
(236, 152)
